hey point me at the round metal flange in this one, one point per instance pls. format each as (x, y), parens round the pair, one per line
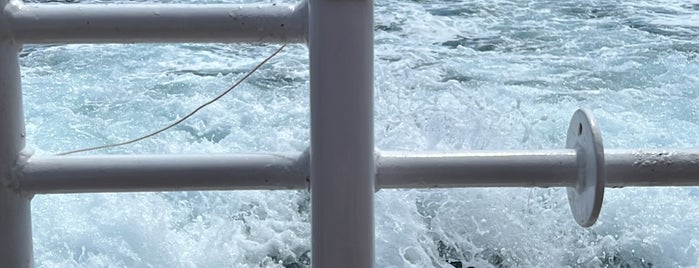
(586, 197)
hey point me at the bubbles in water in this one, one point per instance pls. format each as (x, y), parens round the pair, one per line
(449, 76)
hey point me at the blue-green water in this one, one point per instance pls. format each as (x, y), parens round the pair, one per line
(450, 75)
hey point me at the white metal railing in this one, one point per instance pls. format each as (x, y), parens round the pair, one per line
(341, 167)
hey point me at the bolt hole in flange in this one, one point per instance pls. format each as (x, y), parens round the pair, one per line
(585, 198)
(580, 128)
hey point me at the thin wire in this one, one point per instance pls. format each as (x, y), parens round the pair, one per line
(183, 118)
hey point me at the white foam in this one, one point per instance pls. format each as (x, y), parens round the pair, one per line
(449, 76)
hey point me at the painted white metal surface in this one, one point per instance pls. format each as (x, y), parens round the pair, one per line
(15, 213)
(341, 43)
(114, 173)
(394, 170)
(540, 168)
(586, 195)
(543, 168)
(139, 23)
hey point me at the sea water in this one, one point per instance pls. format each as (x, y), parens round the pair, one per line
(449, 76)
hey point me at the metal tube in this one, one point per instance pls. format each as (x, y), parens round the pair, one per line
(543, 168)
(15, 212)
(546, 168)
(141, 23)
(657, 167)
(97, 174)
(342, 136)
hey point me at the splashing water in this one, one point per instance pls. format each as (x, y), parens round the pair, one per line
(450, 75)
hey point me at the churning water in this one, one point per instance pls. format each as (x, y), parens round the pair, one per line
(450, 75)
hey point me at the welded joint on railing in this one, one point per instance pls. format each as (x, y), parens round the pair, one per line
(11, 179)
(21, 162)
(304, 162)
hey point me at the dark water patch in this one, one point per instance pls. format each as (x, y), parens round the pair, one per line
(392, 27)
(221, 50)
(305, 258)
(482, 44)
(450, 254)
(624, 260)
(161, 91)
(556, 98)
(461, 78)
(691, 51)
(661, 10)
(88, 109)
(672, 31)
(304, 203)
(273, 81)
(390, 58)
(691, 6)
(603, 12)
(528, 40)
(302, 261)
(215, 134)
(494, 257)
(204, 72)
(452, 11)
(586, 12)
(27, 50)
(527, 83)
(422, 65)
(243, 50)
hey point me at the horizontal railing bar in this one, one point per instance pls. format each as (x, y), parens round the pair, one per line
(652, 168)
(157, 23)
(549, 168)
(140, 173)
(542, 168)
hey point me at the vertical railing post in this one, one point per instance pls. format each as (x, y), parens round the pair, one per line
(342, 135)
(15, 214)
